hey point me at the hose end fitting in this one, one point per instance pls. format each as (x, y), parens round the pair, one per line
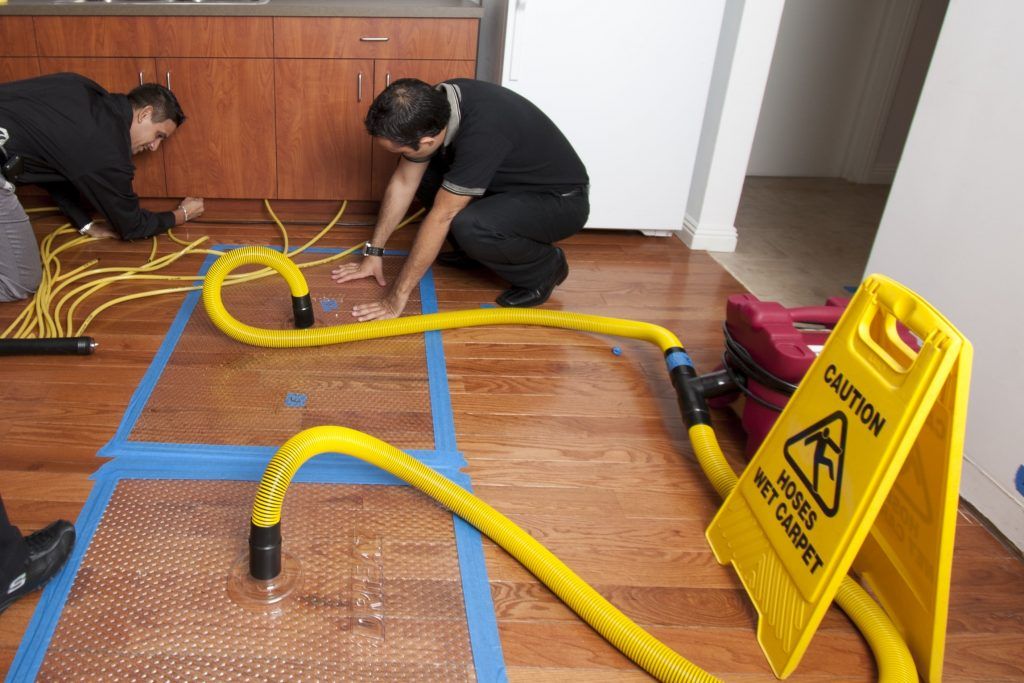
(302, 309)
(264, 551)
(688, 388)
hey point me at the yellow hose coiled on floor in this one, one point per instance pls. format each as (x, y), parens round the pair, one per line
(655, 657)
(895, 662)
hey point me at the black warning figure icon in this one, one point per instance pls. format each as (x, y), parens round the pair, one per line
(817, 455)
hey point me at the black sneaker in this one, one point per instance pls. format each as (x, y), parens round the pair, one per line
(47, 550)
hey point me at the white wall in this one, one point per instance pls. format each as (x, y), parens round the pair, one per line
(743, 55)
(817, 75)
(952, 231)
(908, 87)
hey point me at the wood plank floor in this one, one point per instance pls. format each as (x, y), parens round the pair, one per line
(580, 445)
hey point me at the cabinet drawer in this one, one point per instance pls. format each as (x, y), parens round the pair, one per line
(17, 38)
(375, 38)
(155, 36)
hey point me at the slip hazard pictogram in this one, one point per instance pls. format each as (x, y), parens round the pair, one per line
(817, 455)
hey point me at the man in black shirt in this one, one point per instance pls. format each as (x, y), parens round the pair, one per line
(76, 140)
(500, 180)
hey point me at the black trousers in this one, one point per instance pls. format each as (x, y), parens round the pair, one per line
(512, 232)
(13, 551)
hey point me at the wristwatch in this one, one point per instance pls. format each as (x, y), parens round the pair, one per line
(84, 230)
(370, 250)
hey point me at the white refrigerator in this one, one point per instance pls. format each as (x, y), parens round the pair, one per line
(627, 82)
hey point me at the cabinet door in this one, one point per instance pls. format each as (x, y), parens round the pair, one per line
(323, 150)
(226, 147)
(17, 68)
(390, 70)
(17, 37)
(120, 75)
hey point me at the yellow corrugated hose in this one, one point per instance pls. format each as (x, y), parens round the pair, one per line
(895, 662)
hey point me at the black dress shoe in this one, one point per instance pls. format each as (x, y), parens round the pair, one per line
(47, 550)
(521, 297)
(457, 259)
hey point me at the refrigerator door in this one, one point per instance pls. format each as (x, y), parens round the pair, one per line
(627, 82)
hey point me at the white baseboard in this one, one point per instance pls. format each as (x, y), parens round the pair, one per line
(882, 174)
(1001, 507)
(706, 237)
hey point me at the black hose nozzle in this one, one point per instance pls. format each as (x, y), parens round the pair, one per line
(264, 551)
(48, 346)
(302, 309)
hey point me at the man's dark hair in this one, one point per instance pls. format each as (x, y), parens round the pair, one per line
(165, 104)
(406, 111)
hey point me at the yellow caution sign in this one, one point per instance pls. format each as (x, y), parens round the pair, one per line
(861, 470)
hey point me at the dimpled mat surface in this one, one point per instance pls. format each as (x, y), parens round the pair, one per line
(380, 597)
(214, 390)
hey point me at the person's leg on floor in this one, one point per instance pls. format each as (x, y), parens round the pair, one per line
(513, 234)
(28, 562)
(20, 267)
(13, 551)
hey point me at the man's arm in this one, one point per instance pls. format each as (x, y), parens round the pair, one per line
(425, 248)
(69, 202)
(397, 197)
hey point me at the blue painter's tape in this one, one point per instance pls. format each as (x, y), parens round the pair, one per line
(1020, 480)
(328, 305)
(488, 659)
(481, 622)
(295, 400)
(437, 376)
(437, 373)
(677, 358)
(40, 630)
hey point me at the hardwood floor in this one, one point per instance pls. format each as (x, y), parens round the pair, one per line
(580, 445)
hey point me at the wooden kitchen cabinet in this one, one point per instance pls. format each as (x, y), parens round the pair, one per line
(17, 49)
(121, 75)
(432, 50)
(121, 36)
(275, 105)
(386, 72)
(226, 148)
(322, 150)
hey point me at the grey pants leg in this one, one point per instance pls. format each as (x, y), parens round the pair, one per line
(20, 267)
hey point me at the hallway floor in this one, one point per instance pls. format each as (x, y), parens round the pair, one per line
(802, 240)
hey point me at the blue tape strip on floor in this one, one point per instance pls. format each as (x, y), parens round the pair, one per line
(480, 620)
(246, 463)
(437, 376)
(437, 373)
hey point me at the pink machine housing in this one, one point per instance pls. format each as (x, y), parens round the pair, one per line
(768, 334)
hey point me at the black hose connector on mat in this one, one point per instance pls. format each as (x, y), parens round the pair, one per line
(264, 551)
(302, 309)
(48, 346)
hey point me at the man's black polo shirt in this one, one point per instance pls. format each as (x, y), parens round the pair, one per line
(66, 126)
(498, 141)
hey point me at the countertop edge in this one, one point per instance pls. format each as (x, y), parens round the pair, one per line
(271, 9)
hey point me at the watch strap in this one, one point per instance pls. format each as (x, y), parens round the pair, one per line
(370, 250)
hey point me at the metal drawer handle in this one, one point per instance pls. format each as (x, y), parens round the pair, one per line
(140, 78)
(359, 87)
(374, 39)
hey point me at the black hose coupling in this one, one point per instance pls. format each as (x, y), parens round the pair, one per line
(302, 309)
(264, 551)
(48, 346)
(688, 388)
